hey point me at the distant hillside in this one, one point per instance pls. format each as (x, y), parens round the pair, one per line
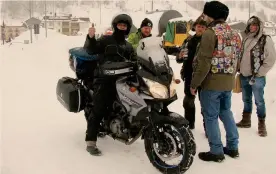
(239, 10)
(21, 9)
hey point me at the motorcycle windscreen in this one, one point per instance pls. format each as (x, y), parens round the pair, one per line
(153, 57)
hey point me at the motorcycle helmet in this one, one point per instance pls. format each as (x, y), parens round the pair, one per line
(122, 18)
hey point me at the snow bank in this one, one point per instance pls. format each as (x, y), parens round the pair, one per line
(40, 37)
(44, 138)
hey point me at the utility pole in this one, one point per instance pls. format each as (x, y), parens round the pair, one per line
(152, 5)
(45, 19)
(3, 36)
(100, 12)
(249, 9)
(186, 6)
(30, 27)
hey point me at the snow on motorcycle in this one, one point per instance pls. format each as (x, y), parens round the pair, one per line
(140, 110)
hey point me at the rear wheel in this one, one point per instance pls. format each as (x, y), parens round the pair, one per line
(170, 142)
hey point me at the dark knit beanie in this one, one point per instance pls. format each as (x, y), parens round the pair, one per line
(146, 23)
(200, 22)
(216, 10)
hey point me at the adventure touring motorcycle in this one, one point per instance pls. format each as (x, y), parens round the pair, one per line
(140, 110)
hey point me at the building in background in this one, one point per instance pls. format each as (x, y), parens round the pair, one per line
(31, 22)
(270, 28)
(66, 24)
(84, 22)
(10, 30)
(239, 26)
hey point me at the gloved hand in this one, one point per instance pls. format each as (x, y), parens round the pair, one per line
(135, 65)
(182, 74)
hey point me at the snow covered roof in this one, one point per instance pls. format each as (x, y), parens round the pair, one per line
(79, 21)
(58, 18)
(269, 24)
(67, 18)
(237, 22)
(32, 21)
(186, 18)
(86, 19)
(82, 21)
(13, 23)
(240, 25)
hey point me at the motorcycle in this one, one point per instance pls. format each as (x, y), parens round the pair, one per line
(140, 109)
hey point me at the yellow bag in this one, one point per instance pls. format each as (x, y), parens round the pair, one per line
(237, 88)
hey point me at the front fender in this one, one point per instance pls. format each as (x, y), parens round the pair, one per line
(173, 118)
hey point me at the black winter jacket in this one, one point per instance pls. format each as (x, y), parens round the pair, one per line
(100, 47)
(93, 46)
(187, 67)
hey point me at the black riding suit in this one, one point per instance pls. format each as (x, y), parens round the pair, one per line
(186, 74)
(104, 88)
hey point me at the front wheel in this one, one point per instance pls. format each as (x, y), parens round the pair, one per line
(169, 142)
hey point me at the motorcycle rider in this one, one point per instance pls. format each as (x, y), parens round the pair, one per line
(104, 88)
(186, 58)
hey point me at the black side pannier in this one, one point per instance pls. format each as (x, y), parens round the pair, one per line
(71, 94)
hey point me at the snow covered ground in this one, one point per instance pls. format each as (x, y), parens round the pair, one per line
(38, 136)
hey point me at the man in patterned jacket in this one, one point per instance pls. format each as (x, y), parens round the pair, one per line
(214, 71)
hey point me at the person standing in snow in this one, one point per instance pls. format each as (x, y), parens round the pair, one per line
(186, 56)
(105, 88)
(107, 32)
(257, 58)
(143, 32)
(214, 72)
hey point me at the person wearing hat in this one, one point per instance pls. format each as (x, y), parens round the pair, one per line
(257, 59)
(104, 88)
(214, 71)
(186, 57)
(143, 32)
(108, 31)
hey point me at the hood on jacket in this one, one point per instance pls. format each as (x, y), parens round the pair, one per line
(256, 20)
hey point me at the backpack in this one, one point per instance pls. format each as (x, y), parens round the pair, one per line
(84, 63)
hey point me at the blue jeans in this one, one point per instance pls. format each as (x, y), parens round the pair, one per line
(218, 104)
(258, 90)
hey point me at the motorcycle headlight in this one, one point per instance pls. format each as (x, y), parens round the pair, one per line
(160, 91)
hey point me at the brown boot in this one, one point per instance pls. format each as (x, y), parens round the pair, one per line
(262, 128)
(246, 121)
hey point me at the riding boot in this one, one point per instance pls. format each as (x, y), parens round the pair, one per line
(246, 121)
(262, 128)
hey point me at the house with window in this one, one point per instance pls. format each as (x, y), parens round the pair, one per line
(66, 24)
(10, 30)
(270, 28)
(84, 22)
(239, 25)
